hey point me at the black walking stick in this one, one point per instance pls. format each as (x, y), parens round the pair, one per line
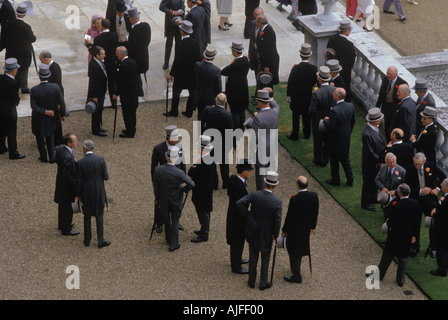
(311, 268)
(154, 223)
(34, 59)
(114, 105)
(166, 104)
(273, 261)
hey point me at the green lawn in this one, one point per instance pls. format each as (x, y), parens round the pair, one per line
(349, 198)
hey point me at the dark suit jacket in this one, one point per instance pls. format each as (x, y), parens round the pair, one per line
(158, 158)
(266, 42)
(237, 89)
(206, 5)
(208, 83)
(92, 172)
(167, 6)
(129, 82)
(301, 217)
(6, 13)
(19, 40)
(9, 98)
(403, 224)
(441, 224)
(263, 220)
(46, 96)
(214, 117)
(372, 151)
(113, 22)
(236, 189)
(426, 142)
(56, 75)
(338, 82)
(198, 17)
(345, 53)
(433, 177)
(405, 118)
(202, 175)
(308, 7)
(383, 91)
(97, 80)
(403, 151)
(66, 177)
(139, 40)
(109, 42)
(421, 105)
(321, 102)
(186, 54)
(340, 127)
(301, 81)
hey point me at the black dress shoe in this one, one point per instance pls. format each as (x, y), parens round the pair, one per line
(175, 248)
(369, 208)
(388, 11)
(71, 233)
(100, 134)
(16, 156)
(187, 114)
(267, 286)
(198, 232)
(292, 279)
(199, 239)
(3, 150)
(104, 244)
(437, 273)
(181, 227)
(169, 114)
(244, 261)
(251, 285)
(240, 271)
(332, 182)
(165, 66)
(103, 130)
(86, 243)
(292, 137)
(159, 229)
(402, 19)
(42, 160)
(125, 135)
(349, 183)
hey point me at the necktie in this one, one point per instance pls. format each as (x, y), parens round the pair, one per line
(119, 21)
(389, 86)
(390, 173)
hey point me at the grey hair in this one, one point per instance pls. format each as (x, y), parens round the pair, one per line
(406, 89)
(419, 155)
(89, 145)
(390, 155)
(262, 19)
(445, 183)
(122, 50)
(404, 189)
(45, 54)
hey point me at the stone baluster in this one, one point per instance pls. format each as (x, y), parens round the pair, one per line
(444, 149)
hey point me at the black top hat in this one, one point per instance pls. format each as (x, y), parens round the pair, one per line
(244, 166)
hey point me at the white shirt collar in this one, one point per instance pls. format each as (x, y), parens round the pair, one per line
(241, 178)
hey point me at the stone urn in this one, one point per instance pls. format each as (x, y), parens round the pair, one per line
(328, 16)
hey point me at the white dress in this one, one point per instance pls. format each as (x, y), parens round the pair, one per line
(366, 7)
(224, 7)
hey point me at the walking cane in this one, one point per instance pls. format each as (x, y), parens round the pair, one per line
(34, 59)
(114, 105)
(154, 223)
(311, 269)
(273, 262)
(166, 104)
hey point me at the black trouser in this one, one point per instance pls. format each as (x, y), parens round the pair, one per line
(65, 217)
(295, 262)
(97, 116)
(58, 135)
(88, 228)
(204, 221)
(177, 89)
(49, 142)
(334, 168)
(172, 35)
(306, 123)
(442, 261)
(238, 118)
(236, 253)
(224, 168)
(388, 109)
(8, 128)
(346, 74)
(385, 262)
(369, 190)
(321, 153)
(253, 261)
(129, 107)
(170, 217)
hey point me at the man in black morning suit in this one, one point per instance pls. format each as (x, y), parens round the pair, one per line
(8, 109)
(387, 97)
(218, 118)
(129, 88)
(301, 81)
(236, 189)
(158, 157)
(47, 104)
(345, 53)
(425, 140)
(19, 45)
(66, 184)
(321, 103)
(171, 9)
(97, 88)
(440, 223)
(372, 155)
(403, 150)
(139, 40)
(268, 57)
(300, 223)
(249, 8)
(237, 89)
(340, 125)
(120, 22)
(425, 99)
(197, 16)
(424, 178)
(186, 54)
(92, 172)
(405, 115)
(208, 81)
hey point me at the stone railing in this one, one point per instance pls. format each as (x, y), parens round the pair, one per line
(368, 71)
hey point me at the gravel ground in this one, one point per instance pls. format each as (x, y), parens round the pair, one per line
(34, 256)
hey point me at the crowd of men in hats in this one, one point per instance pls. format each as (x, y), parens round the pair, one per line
(321, 95)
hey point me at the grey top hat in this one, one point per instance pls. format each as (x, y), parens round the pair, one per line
(271, 178)
(77, 206)
(264, 77)
(237, 46)
(428, 221)
(133, 13)
(44, 71)
(22, 8)
(384, 198)
(263, 95)
(90, 106)
(205, 141)
(186, 26)
(10, 65)
(334, 65)
(281, 242)
(385, 228)
(344, 25)
(374, 114)
(322, 126)
(429, 112)
(173, 154)
(324, 73)
(210, 52)
(305, 50)
(172, 133)
(420, 85)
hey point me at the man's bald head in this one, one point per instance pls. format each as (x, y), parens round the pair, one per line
(302, 182)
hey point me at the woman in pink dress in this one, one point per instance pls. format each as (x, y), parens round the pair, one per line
(350, 8)
(93, 31)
